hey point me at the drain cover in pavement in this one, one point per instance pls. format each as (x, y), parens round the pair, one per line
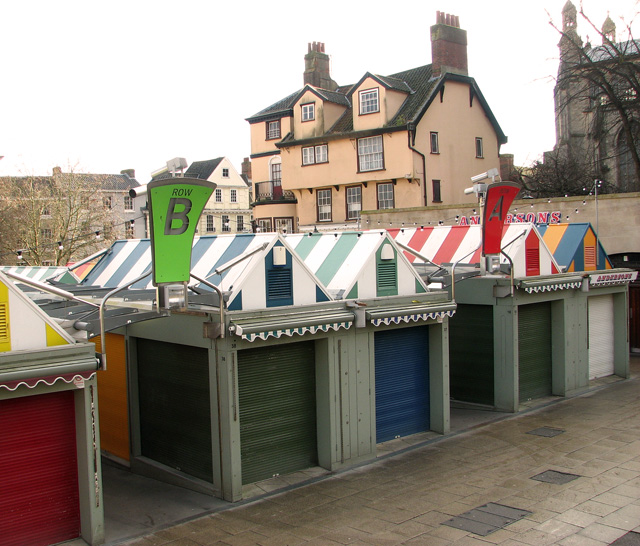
(547, 432)
(486, 519)
(630, 539)
(555, 477)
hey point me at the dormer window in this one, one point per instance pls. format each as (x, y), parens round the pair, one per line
(369, 102)
(308, 112)
(273, 129)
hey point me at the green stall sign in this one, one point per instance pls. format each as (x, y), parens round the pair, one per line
(175, 206)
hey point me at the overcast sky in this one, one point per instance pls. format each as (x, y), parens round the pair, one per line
(107, 86)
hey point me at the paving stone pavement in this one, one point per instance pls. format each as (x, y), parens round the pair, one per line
(406, 498)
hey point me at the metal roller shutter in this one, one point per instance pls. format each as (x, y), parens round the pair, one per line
(600, 336)
(402, 382)
(471, 354)
(534, 347)
(277, 401)
(38, 472)
(175, 416)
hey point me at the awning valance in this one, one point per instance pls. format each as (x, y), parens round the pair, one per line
(265, 327)
(77, 378)
(550, 284)
(410, 313)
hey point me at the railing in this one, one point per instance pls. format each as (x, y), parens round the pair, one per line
(272, 191)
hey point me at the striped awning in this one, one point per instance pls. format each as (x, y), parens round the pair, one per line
(410, 313)
(550, 284)
(288, 325)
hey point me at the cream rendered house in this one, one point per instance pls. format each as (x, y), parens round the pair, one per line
(228, 209)
(411, 139)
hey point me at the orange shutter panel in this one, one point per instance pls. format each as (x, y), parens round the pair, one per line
(113, 398)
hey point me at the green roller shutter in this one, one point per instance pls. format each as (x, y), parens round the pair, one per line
(277, 395)
(175, 416)
(471, 354)
(534, 332)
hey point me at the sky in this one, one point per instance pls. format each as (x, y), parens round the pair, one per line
(99, 86)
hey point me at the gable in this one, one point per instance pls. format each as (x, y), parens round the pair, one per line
(23, 325)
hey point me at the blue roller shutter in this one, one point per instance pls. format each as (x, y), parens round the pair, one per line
(402, 382)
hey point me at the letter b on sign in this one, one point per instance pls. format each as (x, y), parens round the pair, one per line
(177, 216)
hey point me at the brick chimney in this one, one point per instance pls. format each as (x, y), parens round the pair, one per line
(448, 46)
(57, 171)
(317, 68)
(131, 173)
(246, 168)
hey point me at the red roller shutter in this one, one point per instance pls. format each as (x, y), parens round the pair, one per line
(38, 471)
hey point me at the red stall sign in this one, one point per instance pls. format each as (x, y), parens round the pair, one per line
(497, 202)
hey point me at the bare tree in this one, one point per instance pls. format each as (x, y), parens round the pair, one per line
(52, 220)
(598, 104)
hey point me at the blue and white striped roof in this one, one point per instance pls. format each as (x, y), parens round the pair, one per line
(42, 273)
(242, 257)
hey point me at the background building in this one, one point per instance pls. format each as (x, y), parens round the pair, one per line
(414, 138)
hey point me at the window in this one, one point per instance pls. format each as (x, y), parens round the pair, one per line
(369, 101)
(225, 173)
(273, 129)
(46, 211)
(218, 195)
(46, 234)
(385, 195)
(308, 112)
(239, 223)
(354, 202)
(128, 202)
(128, 230)
(284, 225)
(324, 205)
(370, 154)
(106, 201)
(435, 147)
(479, 150)
(437, 198)
(210, 225)
(264, 225)
(314, 154)
(226, 225)
(234, 195)
(276, 172)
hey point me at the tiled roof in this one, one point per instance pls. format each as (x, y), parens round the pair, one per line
(418, 83)
(282, 105)
(203, 169)
(107, 182)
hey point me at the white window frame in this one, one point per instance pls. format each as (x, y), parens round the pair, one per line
(128, 203)
(211, 226)
(233, 195)
(385, 195)
(315, 154)
(370, 154)
(323, 203)
(479, 148)
(354, 202)
(225, 173)
(226, 223)
(369, 101)
(239, 223)
(273, 129)
(434, 142)
(308, 111)
(218, 195)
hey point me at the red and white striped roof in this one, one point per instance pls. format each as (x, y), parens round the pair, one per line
(462, 244)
